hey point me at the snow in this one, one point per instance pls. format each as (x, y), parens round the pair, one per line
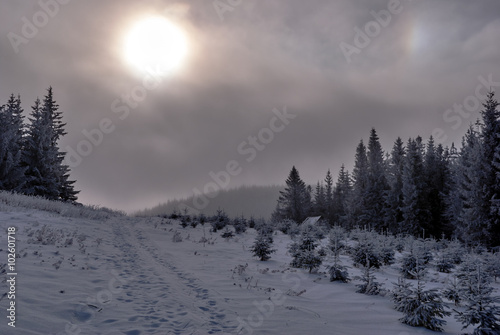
(125, 275)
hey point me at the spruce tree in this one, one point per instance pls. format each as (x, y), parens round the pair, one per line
(393, 215)
(319, 206)
(414, 210)
(357, 216)
(11, 145)
(421, 307)
(294, 202)
(491, 148)
(304, 251)
(377, 183)
(41, 157)
(480, 308)
(262, 246)
(46, 174)
(435, 169)
(473, 218)
(329, 196)
(341, 197)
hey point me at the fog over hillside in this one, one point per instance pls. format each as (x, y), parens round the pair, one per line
(257, 201)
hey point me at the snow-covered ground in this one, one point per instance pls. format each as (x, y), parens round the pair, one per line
(125, 275)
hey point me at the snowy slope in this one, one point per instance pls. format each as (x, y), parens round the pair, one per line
(123, 275)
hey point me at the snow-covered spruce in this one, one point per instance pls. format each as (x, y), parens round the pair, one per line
(337, 271)
(480, 308)
(367, 250)
(262, 246)
(369, 284)
(413, 263)
(304, 251)
(421, 308)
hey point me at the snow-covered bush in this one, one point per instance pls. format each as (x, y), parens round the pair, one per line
(304, 252)
(338, 272)
(337, 238)
(492, 263)
(219, 220)
(475, 290)
(262, 246)
(421, 308)
(366, 250)
(227, 233)
(369, 284)
(240, 225)
(414, 263)
(444, 262)
(288, 227)
(452, 292)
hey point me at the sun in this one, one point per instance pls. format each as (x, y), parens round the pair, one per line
(155, 45)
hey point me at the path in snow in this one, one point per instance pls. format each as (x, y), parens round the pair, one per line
(164, 299)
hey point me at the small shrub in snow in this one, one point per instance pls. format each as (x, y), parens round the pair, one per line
(251, 222)
(227, 233)
(387, 255)
(240, 225)
(304, 252)
(480, 308)
(177, 237)
(339, 273)
(413, 263)
(219, 221)
(262, 246)
(444, 263)
(492, 263)
(452, 292)
(369, 284)
(366, 251)
(288, 227)
(421, 308)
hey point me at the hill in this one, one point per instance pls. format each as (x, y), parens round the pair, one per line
(256, 201)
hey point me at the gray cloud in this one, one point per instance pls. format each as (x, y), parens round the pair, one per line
(263, 55)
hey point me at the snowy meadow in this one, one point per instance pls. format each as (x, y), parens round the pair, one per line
(90, 271)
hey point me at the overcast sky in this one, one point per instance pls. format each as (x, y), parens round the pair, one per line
(401, 74)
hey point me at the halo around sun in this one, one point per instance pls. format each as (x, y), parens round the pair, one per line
(155, 45)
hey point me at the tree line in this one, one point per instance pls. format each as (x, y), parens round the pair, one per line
(418, 188)
(31, 162)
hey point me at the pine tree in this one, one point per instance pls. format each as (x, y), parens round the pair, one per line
(414, 208)
(294, 202)
(452, 199)
(319, 206)
(341, 196)
(46, 175)
(40, 157)
(435, 168)
(377, 183)
(11, 145)
(472, 221)
(329, 197)
(491, 147)
(357, 216)
(337, 271)
(369, 284)
(480, 308)
(66, 186)
(393, 215)
(262, 246)
(421, 307)
(304, 251)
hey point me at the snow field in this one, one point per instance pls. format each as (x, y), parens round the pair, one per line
(124, 275)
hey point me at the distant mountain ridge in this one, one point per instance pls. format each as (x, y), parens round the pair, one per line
(256, 201)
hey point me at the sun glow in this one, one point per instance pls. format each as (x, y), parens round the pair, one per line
(155, 45)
